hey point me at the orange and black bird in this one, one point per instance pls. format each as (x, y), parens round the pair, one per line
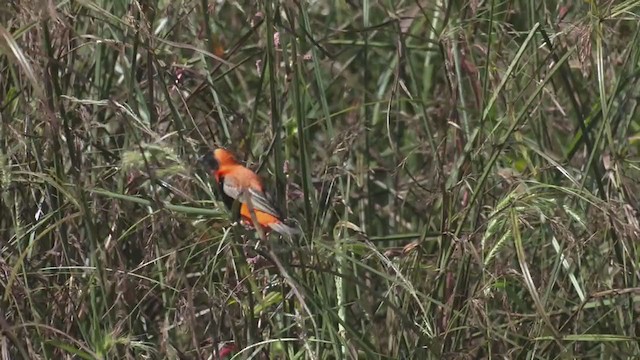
(237, 182)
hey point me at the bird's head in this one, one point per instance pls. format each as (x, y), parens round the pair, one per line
(217, 158)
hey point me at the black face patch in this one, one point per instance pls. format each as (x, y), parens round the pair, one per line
(209, 161)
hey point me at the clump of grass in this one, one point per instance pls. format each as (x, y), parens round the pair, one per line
(464, 174)
(165, 162)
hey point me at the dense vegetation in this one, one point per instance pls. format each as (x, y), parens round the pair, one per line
(465, 174)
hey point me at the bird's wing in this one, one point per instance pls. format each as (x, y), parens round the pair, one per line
(263, 202)
(230, 187)
(259, 199)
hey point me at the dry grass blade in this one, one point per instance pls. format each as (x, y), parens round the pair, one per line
(11, 48)
(464, 175)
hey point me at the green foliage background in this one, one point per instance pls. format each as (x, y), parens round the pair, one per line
(465, 174)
